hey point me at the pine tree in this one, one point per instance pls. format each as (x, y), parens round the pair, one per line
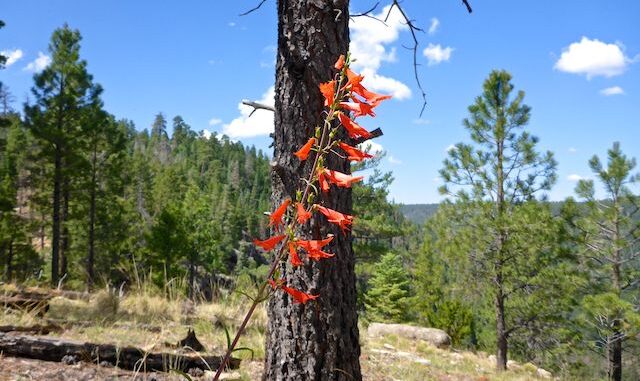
(608, 233)
(490, 179)
(388, 296)
(62, 93)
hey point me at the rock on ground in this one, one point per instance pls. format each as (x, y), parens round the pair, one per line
(433, 336)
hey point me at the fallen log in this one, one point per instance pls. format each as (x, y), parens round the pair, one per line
(131, 358)
(40, 304)
(38, 328)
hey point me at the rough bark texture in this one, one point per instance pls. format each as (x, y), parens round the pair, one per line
(319, 340)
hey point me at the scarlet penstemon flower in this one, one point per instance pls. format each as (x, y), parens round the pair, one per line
(344, 94)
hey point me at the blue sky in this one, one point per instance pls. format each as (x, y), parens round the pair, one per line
(577, 61)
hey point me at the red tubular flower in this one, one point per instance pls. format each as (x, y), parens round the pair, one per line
(372, 98)
(293, 255)
(340, 62)
(303, 215)
(324, 182)
(275, 219)
(327, 90)
(358, 108)
(303, 152)
(269, 243)
(354, 79)
(298, 296)
(353, 153)
(341, 179)
(344, 221)
(314, 248)
(353, 129)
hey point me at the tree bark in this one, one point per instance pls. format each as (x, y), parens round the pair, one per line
(55, 229)
(502, 345)
(319, 340)
(614, 370)
(92, 222)
(501, 332)
(64, 236)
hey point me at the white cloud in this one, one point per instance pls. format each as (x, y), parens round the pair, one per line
(575, 177)
(369, 38)
(436, 54)
(613, 90)
(214, 121)
(206, 133)
(433, 28)
(572, 150)
(450, 148)
(593, 58)
(371, 147)
(12, 56)
(258, 124)
(421, 121)
(393, 160)
(39, 63)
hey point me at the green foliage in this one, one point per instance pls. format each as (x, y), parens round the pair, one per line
(608, 234)
(388, 296)
(503, 240)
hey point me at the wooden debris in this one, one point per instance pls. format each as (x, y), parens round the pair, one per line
(131, 358)
(28, 302)
(191, 341)
(38, 328)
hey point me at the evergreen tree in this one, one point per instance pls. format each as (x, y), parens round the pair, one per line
(609, 233)
(388, 296)
(62, 93)
(491, 179)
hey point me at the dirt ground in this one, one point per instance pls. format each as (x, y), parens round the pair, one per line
(20, 369)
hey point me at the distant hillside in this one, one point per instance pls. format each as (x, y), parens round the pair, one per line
(418, 213)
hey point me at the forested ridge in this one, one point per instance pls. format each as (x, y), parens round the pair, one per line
(88, 200)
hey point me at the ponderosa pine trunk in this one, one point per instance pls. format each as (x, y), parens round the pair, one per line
(92, 220)
(55, 218)
(64, 226)
(319, 340)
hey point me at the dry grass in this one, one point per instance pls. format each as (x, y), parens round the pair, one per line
(155, 320)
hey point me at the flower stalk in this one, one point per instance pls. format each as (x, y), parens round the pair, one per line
(344, 94)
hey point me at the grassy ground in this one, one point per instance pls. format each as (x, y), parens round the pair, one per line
(148, 320)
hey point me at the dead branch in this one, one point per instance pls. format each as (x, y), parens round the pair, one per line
(466, 3)
(413, 29)
(256, 8)
(258, 106)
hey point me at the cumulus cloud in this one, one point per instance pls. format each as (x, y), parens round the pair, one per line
(260, 123)
(214, 121)
(12, 56)
(39, 63)
(371, 147)
(394, 160)
(436, 54)
(206, 133)
(369, 38)
(433, 28)
(593, 58)
(613, 90)
(575, 177)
